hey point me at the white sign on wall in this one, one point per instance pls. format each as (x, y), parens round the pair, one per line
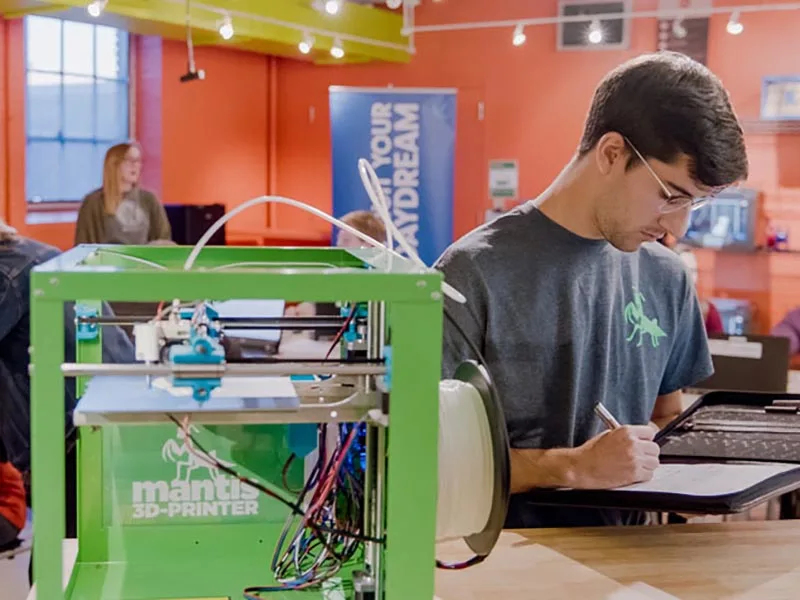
(503, 180)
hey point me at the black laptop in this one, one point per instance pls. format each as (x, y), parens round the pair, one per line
(748, 363)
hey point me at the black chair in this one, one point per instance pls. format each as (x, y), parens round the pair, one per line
(190, 221)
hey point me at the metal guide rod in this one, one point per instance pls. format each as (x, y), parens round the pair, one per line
(379, 501)
(215, 371)
(239, 322)
(373, 501)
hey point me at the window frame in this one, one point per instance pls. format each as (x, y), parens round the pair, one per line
(126, 78)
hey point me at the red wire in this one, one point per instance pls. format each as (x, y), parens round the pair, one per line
(341, 331)
(325, 486)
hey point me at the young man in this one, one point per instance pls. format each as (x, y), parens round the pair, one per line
(572, 306)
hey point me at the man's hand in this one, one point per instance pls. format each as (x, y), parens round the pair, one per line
(612, 459)
(615, 458)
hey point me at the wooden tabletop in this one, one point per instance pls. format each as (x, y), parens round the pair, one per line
(734, 561)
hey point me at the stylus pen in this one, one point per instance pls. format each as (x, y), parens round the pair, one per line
(605, 416)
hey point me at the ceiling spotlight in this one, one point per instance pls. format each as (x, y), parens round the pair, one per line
(734, 27)
(307, 44)
(226, 28)
(332, 7)
(519, 35)
(393, 4)
(337, 51)
(679, 29)
(95, 8)
(595, 32)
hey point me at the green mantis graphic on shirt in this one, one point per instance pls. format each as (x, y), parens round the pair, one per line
(642, 324)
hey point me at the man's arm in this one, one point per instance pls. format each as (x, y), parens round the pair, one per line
(531, 469)
(667, 408)
(689, 360)
(462, 272)
(614, 458)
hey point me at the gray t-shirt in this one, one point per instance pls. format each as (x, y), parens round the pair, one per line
(131, 223)
(565, 322)
(139, 219)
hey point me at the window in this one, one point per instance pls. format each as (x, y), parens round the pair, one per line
(76, 105)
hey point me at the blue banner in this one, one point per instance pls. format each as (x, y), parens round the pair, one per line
(408, 135)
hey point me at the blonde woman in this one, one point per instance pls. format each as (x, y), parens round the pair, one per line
(121, 212)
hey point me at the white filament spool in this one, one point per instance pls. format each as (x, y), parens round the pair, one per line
(466, 462)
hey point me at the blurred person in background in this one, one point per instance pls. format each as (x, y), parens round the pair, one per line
(13, 508)
(121, 212)
(365, 222)
(307, 344)
(315, 344)
(713, 319)
(18, 256)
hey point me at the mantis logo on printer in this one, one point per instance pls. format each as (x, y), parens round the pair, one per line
(198, 490)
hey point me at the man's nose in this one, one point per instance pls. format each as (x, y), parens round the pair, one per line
(676, 222)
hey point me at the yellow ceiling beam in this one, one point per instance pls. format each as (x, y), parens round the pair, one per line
(273, 27)
(15, 9)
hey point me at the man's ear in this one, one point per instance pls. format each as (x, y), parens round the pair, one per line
(610, 152)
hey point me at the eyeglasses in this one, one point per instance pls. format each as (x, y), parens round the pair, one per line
(673, 202)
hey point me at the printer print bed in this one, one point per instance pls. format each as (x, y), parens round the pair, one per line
(133, 394)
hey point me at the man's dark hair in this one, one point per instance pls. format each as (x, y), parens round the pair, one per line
(667, 104)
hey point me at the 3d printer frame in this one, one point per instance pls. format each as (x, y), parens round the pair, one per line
(119, 561)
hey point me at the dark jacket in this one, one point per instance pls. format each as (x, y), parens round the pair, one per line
(17, 257)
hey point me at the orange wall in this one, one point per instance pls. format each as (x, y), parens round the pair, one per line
(214, 134)
(535, 99)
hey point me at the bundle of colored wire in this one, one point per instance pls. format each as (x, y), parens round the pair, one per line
(466, 462)
(315, 545)
(200, 452)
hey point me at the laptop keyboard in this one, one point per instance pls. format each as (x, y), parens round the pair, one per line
(734, 446)
(737, 433)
